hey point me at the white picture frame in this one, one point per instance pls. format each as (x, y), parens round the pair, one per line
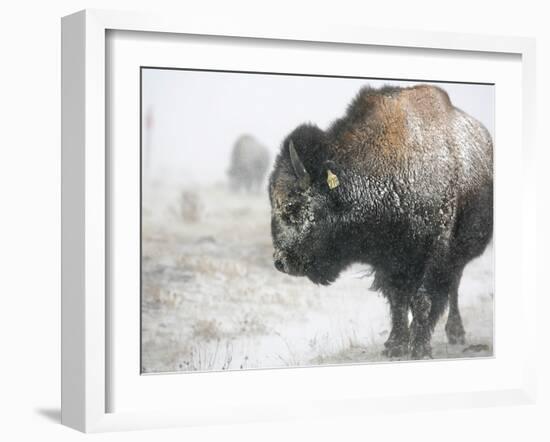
(86, 203)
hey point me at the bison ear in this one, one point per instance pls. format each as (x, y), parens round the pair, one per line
(300, 171)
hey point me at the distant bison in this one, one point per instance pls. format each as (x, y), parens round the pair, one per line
(403, 182)
(249, 163)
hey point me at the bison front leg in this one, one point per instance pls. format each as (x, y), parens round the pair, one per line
(397, 344)
(421, 330)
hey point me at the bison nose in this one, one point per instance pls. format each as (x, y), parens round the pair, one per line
(279, 265)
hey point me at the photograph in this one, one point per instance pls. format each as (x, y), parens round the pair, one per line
(304, 220)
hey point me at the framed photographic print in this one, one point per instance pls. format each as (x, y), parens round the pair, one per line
(292, 222)
(211, 296)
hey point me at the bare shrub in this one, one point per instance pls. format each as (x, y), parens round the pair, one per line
(190, 206)
(208, 357)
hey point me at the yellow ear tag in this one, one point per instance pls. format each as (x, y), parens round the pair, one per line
(332, 180)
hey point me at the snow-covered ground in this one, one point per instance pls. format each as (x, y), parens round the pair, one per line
(212, 299)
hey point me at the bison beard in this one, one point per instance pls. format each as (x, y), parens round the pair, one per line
(403, 182)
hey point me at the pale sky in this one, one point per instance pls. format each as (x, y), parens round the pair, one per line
(199, 115)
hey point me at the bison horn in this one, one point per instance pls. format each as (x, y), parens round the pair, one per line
(297, 165)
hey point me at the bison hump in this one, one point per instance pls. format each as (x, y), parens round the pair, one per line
(392, 123)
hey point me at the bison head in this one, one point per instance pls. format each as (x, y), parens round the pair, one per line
(307, 210)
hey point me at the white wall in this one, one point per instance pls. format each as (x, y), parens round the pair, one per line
(30, 220)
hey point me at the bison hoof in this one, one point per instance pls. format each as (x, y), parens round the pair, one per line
(395, 349)
(455, 332)
(421, 351)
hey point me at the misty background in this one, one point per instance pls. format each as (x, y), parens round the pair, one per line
(192, 118)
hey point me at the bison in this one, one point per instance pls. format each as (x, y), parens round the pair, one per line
(404, 183)
(249, 163)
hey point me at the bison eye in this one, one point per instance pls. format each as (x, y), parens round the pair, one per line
(291, 212)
